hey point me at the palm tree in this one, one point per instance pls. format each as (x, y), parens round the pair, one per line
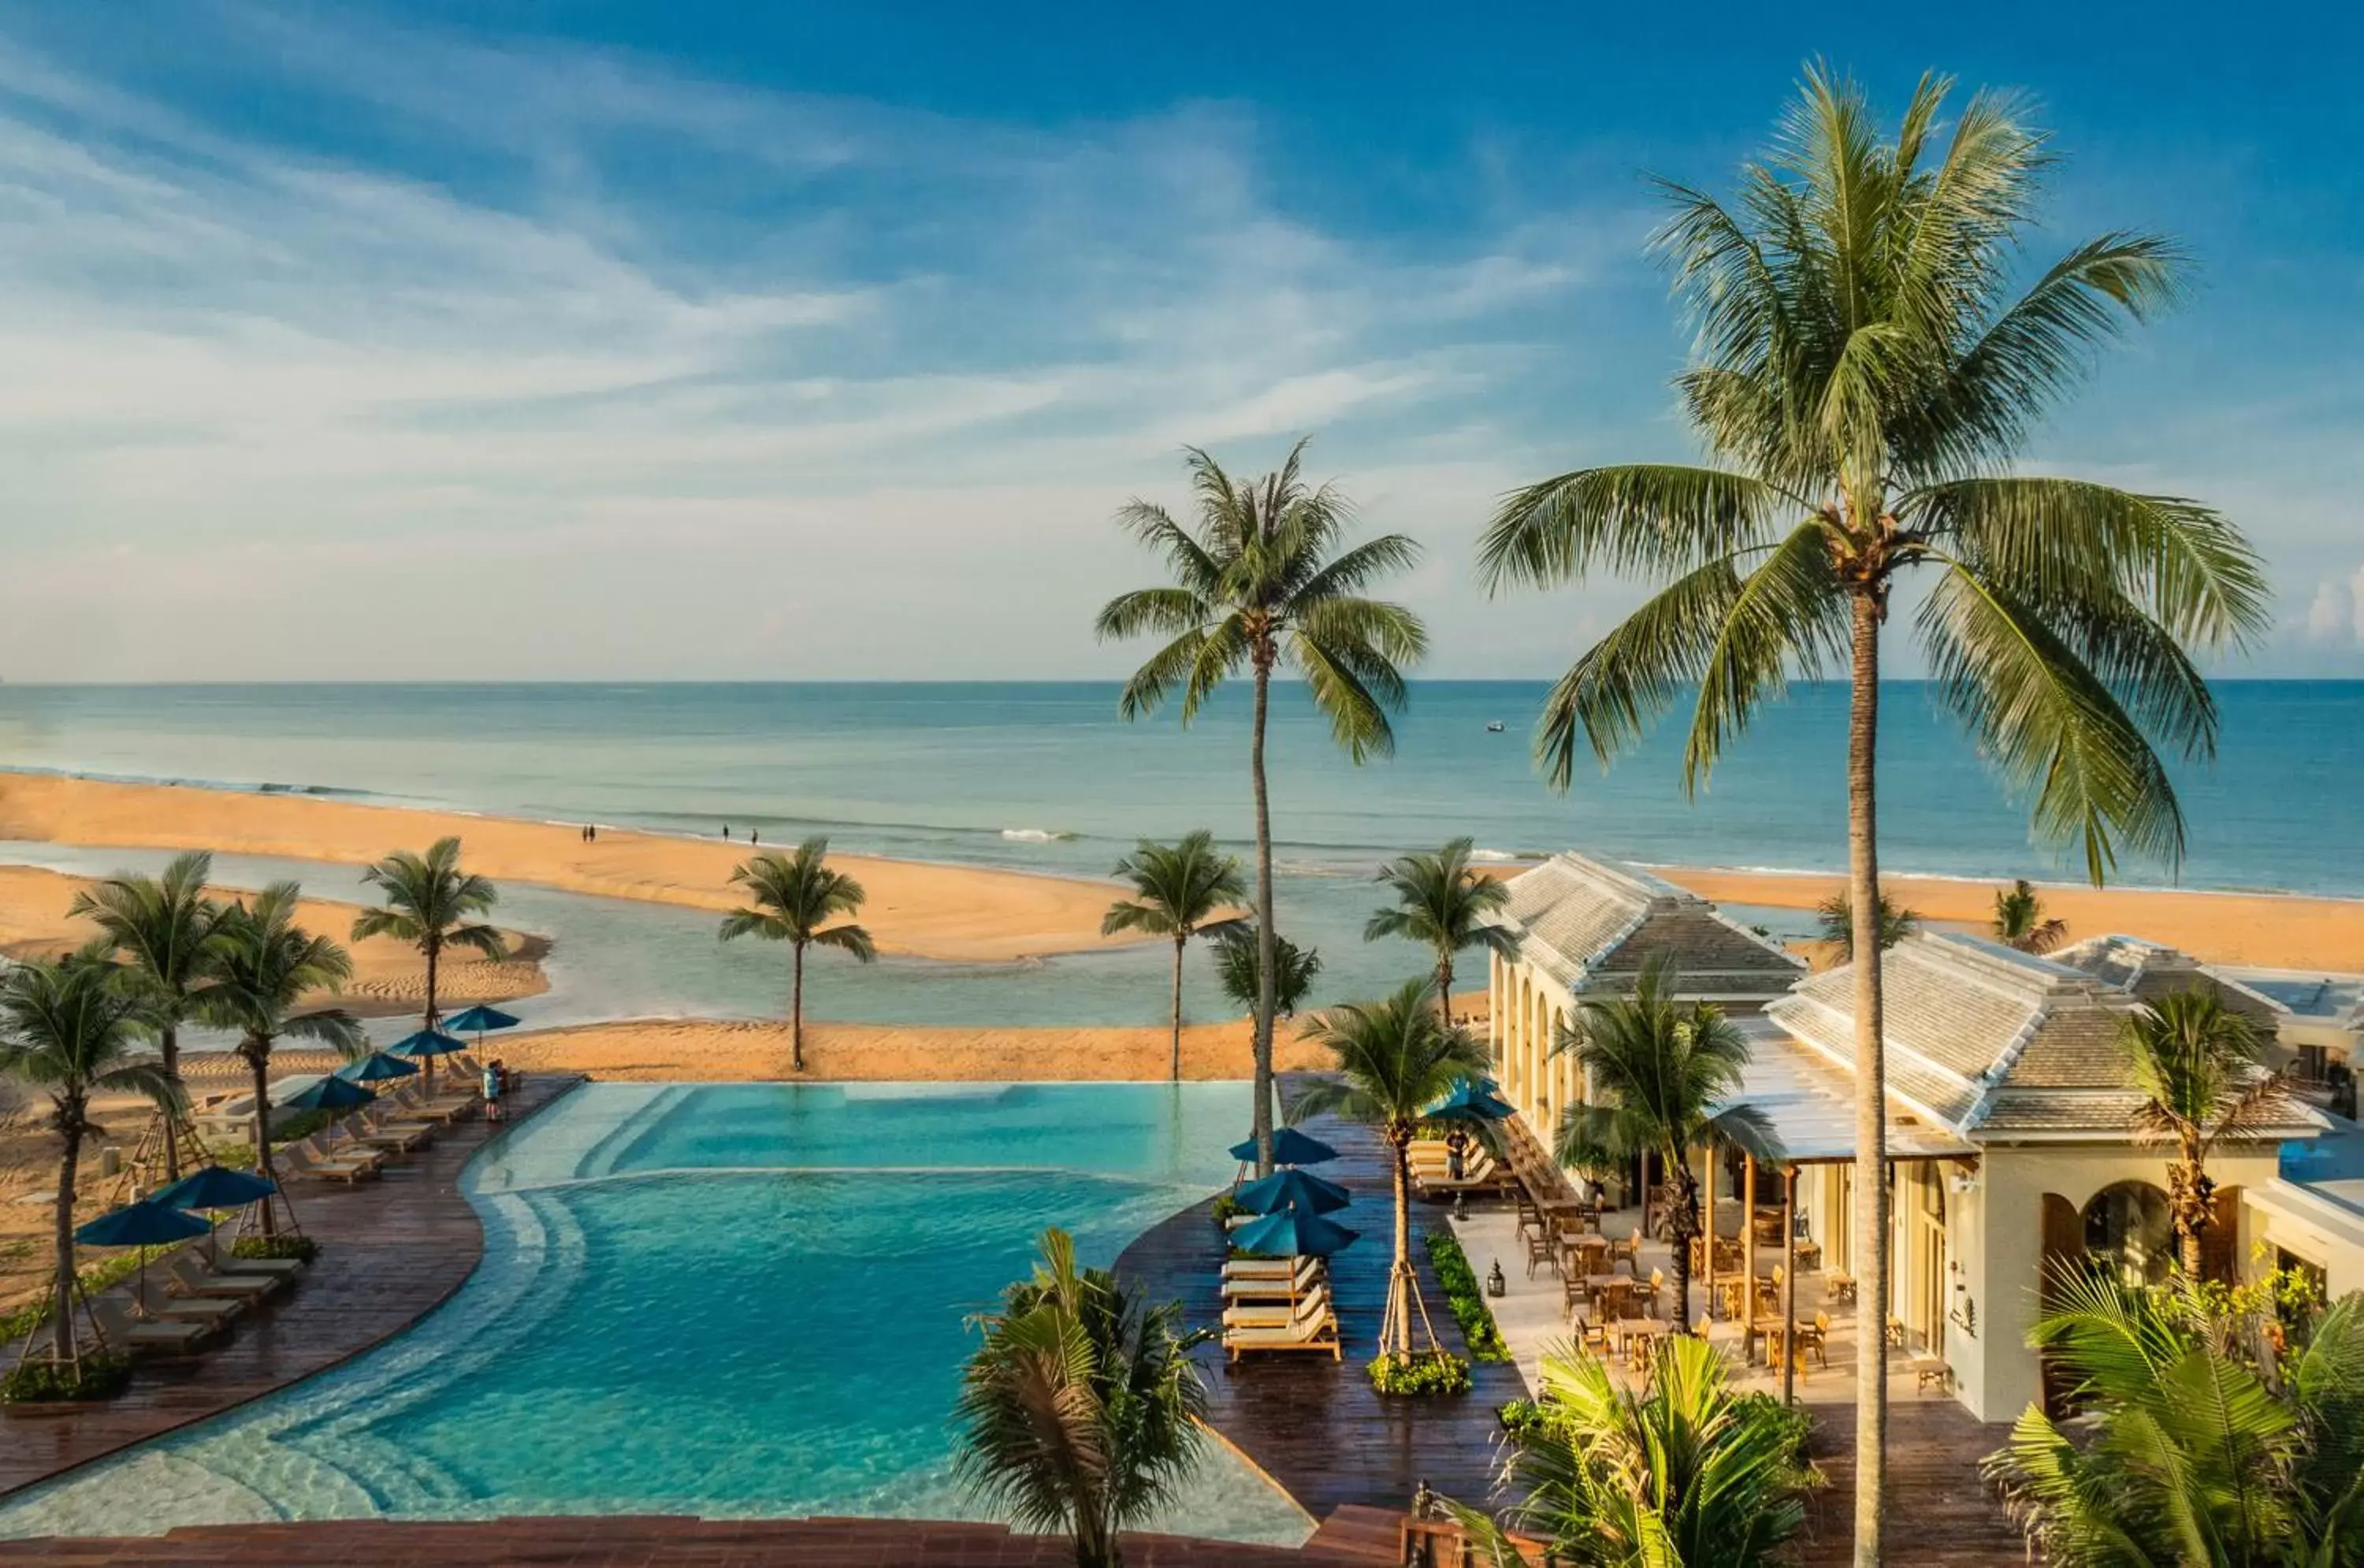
(2186, 1453)
(2199, 1066)
(430, 903)
(1835, 917)
(166, 929)
(1177, 889)
(1443, 903)
(2020, 922)
(268, 965)
(1867, 373)
(68, 1028)
(1683, 1472)
(1260, 583)
(1082, 1407)
(795, 898)
(1239, 968)
(1663, 1066)
(1395, 1059)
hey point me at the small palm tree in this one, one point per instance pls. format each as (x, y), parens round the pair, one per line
(1177, 889)
(69, 1029)
(1239, 968)
(1835, 917)
(2186, 1453)
(167, 929)
(1681, 1472)
(1443, 903)
(793, 898)
(1082, 1405)
(1874, 350)
(1395, 1059)
(1260, 583)
(2200, 1068)
(431, 904)
(2020, 921)
(268, 965)
(1662, 1067)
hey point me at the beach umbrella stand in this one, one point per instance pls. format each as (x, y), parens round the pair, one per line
(218, 1189)
(144, 1224)
(425, 1046)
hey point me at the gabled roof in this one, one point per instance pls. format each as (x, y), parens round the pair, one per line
(2148, 971)
(1592, 924)
(1993, 1043)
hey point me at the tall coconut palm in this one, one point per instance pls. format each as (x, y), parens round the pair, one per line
(1683, 1472)
(1395, 1059)
(166, 929)
(2020, 921)
(1662, 1067)
(268, 965)
(431, 904)
(1442, 902)
(1081, 1406)
(1260, 583)
(794, 897)
(69, 1027)
(1834, 918)
(1868, 372)
(2199, 1066)
(1177, 890)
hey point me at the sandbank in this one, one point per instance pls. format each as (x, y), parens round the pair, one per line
(960, 913)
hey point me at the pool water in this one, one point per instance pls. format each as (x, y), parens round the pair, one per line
(725, 1300)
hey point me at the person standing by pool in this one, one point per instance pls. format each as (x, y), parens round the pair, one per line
(493, 1087)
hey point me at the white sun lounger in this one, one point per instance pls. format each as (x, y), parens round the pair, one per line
(1315, 1328)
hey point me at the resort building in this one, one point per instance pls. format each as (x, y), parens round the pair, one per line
(2011, 1128)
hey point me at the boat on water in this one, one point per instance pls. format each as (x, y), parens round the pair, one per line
(1495, 728)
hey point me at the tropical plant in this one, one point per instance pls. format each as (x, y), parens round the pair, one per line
(794, 897)
(2187, 1454)
(165, 928)
(1177, 890)
(2020, 921)
(1081, 1407)
(1443, 903)
(1395, 1059)
(430, 903)
(1466, 1298)
(1681, 1472)
(2199, 1067)
(268, 965)
(1662, 1067)
(1260, 583)
(1835, 918)
(1869, 369)
(69, 1029)
(1239, 968)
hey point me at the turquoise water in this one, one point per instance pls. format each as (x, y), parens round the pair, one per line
(729, 1300)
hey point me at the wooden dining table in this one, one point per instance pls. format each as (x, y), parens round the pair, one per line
(1584, 1254)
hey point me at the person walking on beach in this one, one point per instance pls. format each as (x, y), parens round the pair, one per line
(753, 837)
(726, 829)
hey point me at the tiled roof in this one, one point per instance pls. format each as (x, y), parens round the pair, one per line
(1593, 924)
(2148, 971)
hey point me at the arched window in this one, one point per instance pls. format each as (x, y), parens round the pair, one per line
(2129, 1231)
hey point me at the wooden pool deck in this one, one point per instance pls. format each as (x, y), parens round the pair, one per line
(392, 1251)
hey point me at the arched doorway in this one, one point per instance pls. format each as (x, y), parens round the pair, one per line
(2129, 1232)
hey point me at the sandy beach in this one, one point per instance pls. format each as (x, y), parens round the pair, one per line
(389, 975)
(960, 913)
(2274, 930)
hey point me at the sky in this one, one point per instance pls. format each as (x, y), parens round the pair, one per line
(545, 340)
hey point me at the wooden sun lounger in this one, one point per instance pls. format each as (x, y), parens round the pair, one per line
(1270, 1287)
(1260, 1268)
(149, 1335)
(278, 1268)
(195, 1308)
(396, 1137)
(1315, 1332)
(300, 1159)
(194, 1280)
(1280, 1315)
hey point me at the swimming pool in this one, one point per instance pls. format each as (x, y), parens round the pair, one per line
(720, 1299)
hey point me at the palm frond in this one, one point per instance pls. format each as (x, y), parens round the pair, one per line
(1661, 519)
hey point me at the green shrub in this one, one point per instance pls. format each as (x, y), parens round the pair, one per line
(280, 1246)
(1463, 1295)
(97, 1376)
(1795, 1426)
(1522, 1418)
(1225, 1207)
(1428, 1373)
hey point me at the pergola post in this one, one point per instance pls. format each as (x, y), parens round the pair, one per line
(1707, 1242)
(1748, 1257)
(1789, 1284)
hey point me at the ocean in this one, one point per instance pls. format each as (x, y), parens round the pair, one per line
(1046, 777)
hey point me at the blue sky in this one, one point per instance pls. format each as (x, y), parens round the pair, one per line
(769, 341)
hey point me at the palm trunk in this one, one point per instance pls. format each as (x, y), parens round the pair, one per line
(1095, 1545)
(1681, 1226)
(796, 1013)
(168, 1045)
(2191, 1210)
(433, 952)
(62, 1324)
(1177, 1005)
(1444, 987)
(261, 1062)
(1870, 1096)
(1267, 937)
(1400, 1280)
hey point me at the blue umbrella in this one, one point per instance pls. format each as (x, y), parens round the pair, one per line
(375, 1066)
(479, 1018)
(1293, 1232)
(427, 1042)
(143, 1224)
(216, 1187)
(1290, 1147)
(1472, 1099)
(330, 1093)
(1292, 1189)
